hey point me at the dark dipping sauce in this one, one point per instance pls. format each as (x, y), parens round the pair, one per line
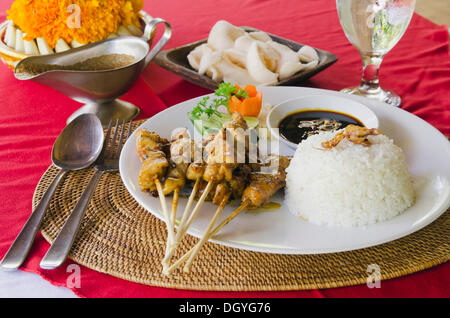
(290, 130)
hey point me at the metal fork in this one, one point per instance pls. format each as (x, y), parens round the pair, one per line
(108, 161)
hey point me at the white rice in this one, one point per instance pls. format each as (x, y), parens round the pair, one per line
(349, 185)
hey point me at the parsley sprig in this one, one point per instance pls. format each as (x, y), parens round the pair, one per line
(222, 98)
(226, 90)
(203, 108)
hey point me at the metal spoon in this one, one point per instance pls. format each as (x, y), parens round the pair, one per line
(77, 147)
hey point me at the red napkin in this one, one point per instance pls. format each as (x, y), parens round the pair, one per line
(31, 117)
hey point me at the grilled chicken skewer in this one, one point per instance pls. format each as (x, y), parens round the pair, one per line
(235, 186)
(194, 172)
(181, 146)
(152, 151)
(225, 153)
(183, 150)
(264, 183)
(150, 148)
(266, 179)
(217, 178)
(175, 180)
(221, 162)
(216, 171)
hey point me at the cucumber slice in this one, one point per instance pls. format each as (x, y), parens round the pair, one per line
(206, 125)
(252, 122)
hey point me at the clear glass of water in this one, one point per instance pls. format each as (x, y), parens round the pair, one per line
(374, 27)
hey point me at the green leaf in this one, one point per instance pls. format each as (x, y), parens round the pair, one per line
(206, 110)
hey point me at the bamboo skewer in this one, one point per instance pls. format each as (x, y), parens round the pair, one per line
(182, 228)
(196, 209)
(205, 235)
(162, 198)
(196, 248)
(170, 251)
(173, 216)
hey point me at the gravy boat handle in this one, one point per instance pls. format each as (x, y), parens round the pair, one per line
(149, 33)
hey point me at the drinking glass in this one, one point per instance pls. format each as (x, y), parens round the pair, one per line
(374, 27)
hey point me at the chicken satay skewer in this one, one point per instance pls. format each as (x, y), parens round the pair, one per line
(186, 221)
(208, 235)
(170, 248)
(150, 150)
(182, 149)
(255, 195)
(222, 193)
(173, 183)
(175, 179)
(173, 215)
(222, 161)
(220, 164)
(162, 198)
(193, 171)
(187, 218)
(194, 212)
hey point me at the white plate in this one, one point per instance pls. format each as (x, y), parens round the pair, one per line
(427, 153)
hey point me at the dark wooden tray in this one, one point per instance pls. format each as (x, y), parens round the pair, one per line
(175, 60)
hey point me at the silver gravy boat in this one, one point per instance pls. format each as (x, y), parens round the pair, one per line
(99, 90)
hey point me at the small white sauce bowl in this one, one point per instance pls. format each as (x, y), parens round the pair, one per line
(318, 103)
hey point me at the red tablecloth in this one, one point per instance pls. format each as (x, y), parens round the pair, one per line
(32, 115)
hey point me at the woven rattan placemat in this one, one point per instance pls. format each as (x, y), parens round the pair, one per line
(120, 238)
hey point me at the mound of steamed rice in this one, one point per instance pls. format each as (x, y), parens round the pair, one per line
(348, 185)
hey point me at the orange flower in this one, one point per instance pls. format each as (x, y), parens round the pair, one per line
(49, 18)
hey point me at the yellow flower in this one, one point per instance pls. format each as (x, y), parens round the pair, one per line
(51, 19)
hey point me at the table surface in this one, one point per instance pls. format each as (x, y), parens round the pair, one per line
(421, 60)
(437, 11)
